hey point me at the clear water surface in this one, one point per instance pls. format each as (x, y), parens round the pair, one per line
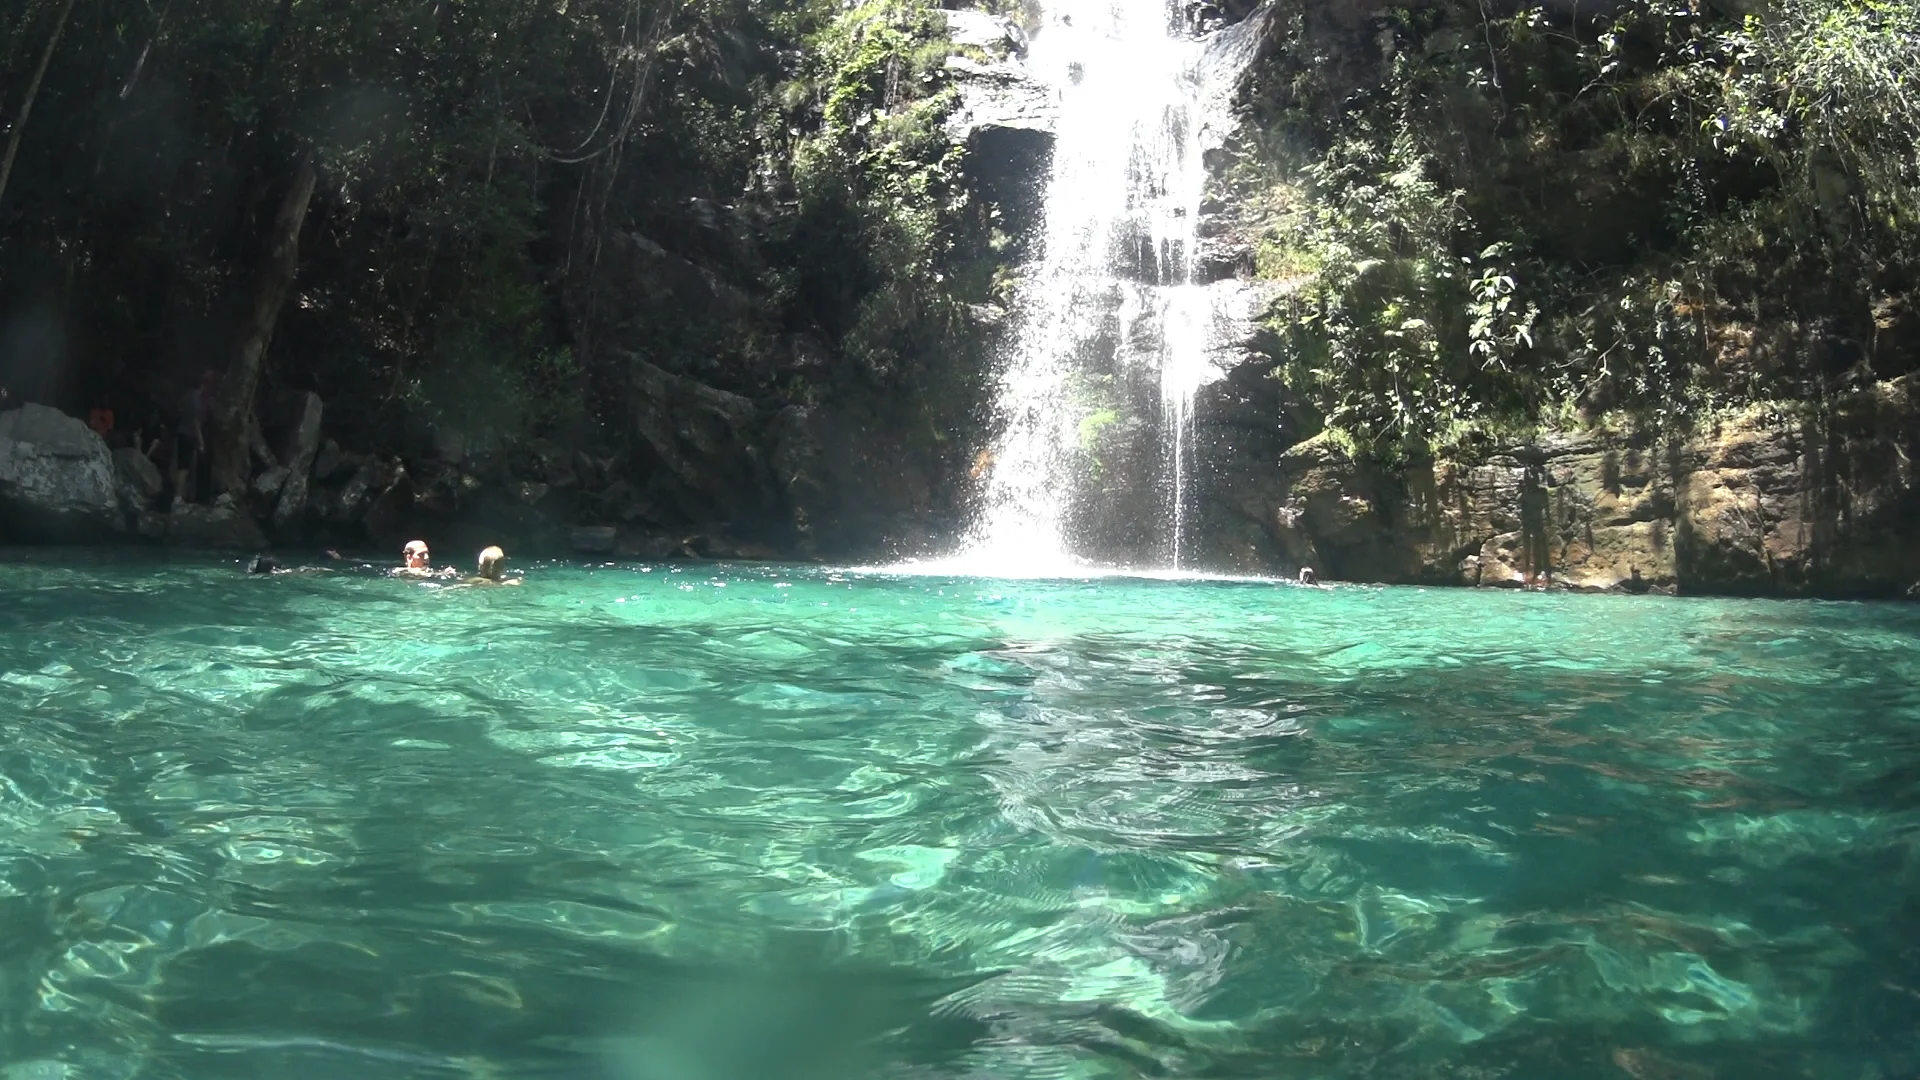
(704, 822)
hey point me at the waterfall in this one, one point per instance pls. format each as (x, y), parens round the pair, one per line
(1117, 284)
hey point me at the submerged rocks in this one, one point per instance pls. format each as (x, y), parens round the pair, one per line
(57, 478)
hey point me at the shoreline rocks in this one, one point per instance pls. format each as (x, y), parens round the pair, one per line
(1760, 504)
(57, 477)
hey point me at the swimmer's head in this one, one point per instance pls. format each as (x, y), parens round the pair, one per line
(493, 563)
(415, 553)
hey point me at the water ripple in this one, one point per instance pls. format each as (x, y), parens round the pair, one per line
(705, 823)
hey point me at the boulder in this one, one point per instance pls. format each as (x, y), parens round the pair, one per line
(350, 502)
(301, 451)
(997, 92)
(621, 501)
(328, 461)
(257, 446)
(391, 511)
(57, 478)
(1004, 116)
(450, 445)
(269, 483)
(1813, 502)
(221, 525)
(138, 478)
(668, 281)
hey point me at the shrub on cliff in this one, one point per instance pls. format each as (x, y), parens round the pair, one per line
(1487, 220)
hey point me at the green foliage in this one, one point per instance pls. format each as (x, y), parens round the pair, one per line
(878, 167)
(1484, 222)
(486, 169)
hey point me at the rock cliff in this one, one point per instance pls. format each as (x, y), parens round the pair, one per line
(1800, 502)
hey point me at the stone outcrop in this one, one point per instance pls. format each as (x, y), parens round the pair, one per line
(997, 92)
(138, 479)
(302, 448)
(1814, 504)
(705, 446)
(1005, 116)
(57, 477)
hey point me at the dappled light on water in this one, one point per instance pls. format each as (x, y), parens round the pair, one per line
(721, 822)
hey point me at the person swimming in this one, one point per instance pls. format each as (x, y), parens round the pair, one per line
(419, 561)
(492, 567)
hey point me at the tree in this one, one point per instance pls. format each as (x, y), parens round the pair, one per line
(33, 91)
(233, 409)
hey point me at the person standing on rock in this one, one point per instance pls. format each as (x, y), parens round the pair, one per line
(190, 436)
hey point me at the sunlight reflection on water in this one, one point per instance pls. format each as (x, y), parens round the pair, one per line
(703, 822)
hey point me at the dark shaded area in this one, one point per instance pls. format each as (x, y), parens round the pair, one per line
(520, 208)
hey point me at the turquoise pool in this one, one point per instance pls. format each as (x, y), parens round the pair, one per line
(708, 822)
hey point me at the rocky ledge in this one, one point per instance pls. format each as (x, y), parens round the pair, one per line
(705, 474)
(1814, 503)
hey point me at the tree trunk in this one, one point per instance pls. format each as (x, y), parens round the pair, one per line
(33, 91)
(233, 409)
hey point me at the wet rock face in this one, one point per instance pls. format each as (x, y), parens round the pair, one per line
(996, 89)
(703, 446)
(57, 478)
(1765, 505)
(290, 496)
(850, 493)
(1005, 116)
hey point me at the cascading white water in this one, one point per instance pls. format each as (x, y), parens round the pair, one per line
(1139, 103)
